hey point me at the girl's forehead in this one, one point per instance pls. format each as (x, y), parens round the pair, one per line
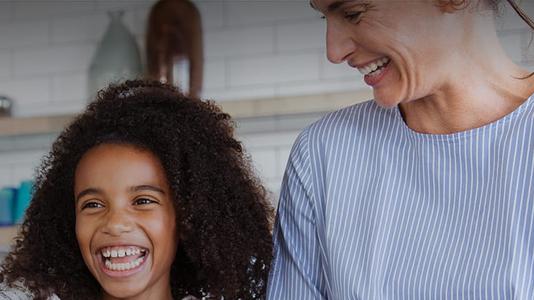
(119, 164)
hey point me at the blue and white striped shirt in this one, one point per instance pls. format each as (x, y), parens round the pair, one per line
(370, 209)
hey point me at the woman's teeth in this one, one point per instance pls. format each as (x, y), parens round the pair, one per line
(374, 68)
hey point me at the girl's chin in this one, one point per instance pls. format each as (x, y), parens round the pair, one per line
(121, 291)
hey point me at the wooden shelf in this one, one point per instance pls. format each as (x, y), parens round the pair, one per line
(7, 234)
(33, 125)
(237, 109)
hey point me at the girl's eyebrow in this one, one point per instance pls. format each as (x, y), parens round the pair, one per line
(147, 187)
(88, 191)
(137, 188)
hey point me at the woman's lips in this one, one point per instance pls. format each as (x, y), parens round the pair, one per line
(374, 79)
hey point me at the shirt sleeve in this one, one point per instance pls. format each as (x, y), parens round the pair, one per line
(18, 292)
(9, 293)
(297, 269)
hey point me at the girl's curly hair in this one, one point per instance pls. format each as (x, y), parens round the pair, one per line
(223, 214)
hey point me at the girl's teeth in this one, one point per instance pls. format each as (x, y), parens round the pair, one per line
(123, 266)
(120, 252)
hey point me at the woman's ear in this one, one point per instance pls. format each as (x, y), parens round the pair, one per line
(451, 6)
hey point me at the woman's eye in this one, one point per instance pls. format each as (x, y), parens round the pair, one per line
(353, 16)
(143, 201)
(92, 205)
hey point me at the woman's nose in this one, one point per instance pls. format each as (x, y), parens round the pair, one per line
(117, 222)
(339, 44)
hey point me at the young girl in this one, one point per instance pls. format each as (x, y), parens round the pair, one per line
(146, 195)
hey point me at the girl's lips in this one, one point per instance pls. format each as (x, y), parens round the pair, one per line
(125, 273)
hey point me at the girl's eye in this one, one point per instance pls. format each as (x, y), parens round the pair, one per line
(143, 201)
(353, 16)
(92, 205)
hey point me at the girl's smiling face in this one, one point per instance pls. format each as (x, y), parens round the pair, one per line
(125, 221)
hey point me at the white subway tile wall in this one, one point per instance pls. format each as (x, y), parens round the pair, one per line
(238, 42)
(78, 29)
(254, 12)
(274, 69)
(25, 10)
(254, 49)
(69, 87)
(239, 93)
(54, 59)
(304, 35)
(27, 91)
(18, 165)
(18, 35)
(6, 10)
(5, 63)
(215, 74)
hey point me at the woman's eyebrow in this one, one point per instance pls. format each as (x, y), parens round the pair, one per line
(146, 187)
(334, 5)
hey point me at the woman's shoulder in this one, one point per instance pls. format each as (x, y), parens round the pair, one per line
(359, 120)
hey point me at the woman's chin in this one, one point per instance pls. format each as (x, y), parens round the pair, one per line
(385, 101)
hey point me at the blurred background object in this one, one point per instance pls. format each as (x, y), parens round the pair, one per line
(174, 45)
(13, 203)
(7, 200)
(117, 57)
(5, 106)
(22, 201)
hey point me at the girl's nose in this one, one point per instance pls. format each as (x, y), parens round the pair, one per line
(117, 222)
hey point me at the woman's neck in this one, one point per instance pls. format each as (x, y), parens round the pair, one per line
(466, 107)
(482, 86)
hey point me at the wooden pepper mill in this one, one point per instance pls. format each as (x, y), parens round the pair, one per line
(174, 33)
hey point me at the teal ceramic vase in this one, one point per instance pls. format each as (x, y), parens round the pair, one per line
(117, 57)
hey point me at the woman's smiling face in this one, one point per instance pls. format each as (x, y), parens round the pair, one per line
(404, 49)
(125, 220)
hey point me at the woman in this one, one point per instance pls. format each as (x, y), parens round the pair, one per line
(146, 195)
(426, 192)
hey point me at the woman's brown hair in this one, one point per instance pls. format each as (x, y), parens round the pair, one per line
(493, 4)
